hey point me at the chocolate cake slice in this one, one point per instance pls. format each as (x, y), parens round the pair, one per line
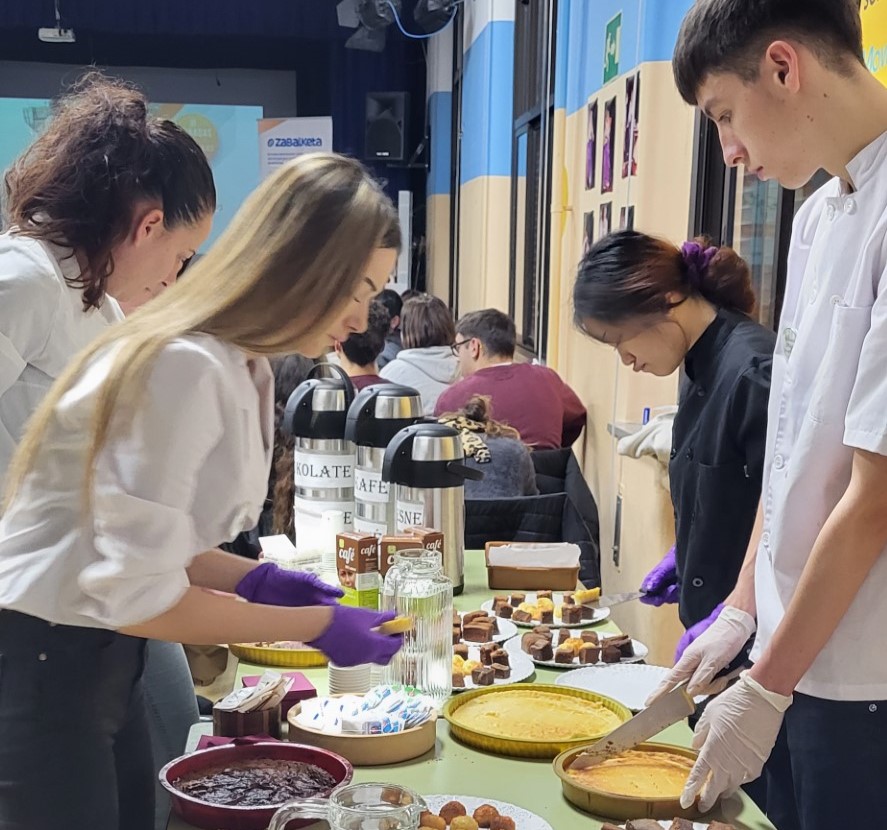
(483, 676)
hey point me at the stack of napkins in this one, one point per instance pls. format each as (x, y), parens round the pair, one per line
(534, 555)
(266, 694)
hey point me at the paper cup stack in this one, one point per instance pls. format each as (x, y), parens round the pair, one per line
(353, 680)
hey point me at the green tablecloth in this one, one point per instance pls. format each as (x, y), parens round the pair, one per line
(456, 769)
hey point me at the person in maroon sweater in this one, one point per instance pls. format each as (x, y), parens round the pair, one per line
(533, 399)
(359, 352)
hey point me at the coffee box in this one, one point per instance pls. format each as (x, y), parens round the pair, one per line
(428, 538)
(357, 563)
(389, 546)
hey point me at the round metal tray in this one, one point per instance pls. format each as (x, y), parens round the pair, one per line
(524, 748)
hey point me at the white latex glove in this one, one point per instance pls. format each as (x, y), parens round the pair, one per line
(735, 737)
(708, 654)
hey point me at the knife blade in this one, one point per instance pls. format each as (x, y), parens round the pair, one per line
(665, 712)
(609, 600)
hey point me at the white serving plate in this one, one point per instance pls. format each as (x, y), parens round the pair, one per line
(521, 669)
(600, 614)
(640, 652)
(523, 819)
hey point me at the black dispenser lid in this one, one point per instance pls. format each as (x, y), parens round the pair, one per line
(380, 411)
(427, 455)
(318, 407)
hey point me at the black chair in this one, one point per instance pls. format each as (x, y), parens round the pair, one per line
(549, 517)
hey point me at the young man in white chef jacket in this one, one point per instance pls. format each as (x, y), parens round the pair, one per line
(785, 83)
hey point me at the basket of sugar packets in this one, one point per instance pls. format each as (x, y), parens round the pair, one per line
(387, 725)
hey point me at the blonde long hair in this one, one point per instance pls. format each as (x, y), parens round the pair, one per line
(282, 270)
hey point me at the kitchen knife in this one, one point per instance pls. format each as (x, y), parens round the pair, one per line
(665, 712)
(609, 600)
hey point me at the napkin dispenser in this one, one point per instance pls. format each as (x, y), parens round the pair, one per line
(528, 566)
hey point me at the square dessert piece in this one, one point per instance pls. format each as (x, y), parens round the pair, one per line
(563, 634)
(569, 599)
(471, 616)
(623, 643)
(498, 602)
(505, 612)
(541, 651)
(543, 595)
(531, 638)
(546, 617)
(589, 653)
(611, 654)
(477, 632)
(517, 599)
(460, 650)
(500, 656)
(571, 614)
(486, 654)
(587, 613)
(501, 672)
(458, 680)
(543, 629)
(494, 624)
(522, 616)
(483, 676)
(590, 637)
(564, 654)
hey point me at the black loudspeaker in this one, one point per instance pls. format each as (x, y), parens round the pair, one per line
(386, 126)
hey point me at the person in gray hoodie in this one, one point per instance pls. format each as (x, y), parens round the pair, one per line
(426, 362)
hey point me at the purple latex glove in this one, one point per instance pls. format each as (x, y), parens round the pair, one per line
(660, 586)
(349, 640)
(270, 585)
(695, 631)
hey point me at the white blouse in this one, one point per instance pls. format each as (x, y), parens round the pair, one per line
(183, 470)
(42, 326)
(828, 398)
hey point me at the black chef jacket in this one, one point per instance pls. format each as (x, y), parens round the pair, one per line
(717, 457)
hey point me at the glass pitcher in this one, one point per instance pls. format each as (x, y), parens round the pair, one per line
(357, 807)
(416, 587)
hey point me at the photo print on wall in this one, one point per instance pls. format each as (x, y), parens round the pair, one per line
(588, 232)
(608, 149)
(632, 117)
(606, 219)
(591, 146)
(626, 218)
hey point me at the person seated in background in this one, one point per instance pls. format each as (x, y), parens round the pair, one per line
(426, 362)
(531, 398)
(495, 449)
(358, 354)
(393, 302)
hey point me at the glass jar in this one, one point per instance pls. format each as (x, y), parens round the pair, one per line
(416, 587)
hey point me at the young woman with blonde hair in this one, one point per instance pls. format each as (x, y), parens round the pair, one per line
(122, 487)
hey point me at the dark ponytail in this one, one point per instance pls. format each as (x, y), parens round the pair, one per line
(629, 274)
(78, 185)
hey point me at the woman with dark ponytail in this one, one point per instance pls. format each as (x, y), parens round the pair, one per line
(663, 307)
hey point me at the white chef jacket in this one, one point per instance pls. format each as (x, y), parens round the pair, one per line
(42, 326)
(828, 397)
(183, 471)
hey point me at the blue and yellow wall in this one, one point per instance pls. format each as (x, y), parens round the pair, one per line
(641, 36)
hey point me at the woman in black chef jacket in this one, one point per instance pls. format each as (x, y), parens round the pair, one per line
(664, 307)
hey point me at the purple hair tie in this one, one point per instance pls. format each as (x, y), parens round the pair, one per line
(697, 260)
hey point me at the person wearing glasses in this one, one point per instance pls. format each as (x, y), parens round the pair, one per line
(427, 361)
(484, 347)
